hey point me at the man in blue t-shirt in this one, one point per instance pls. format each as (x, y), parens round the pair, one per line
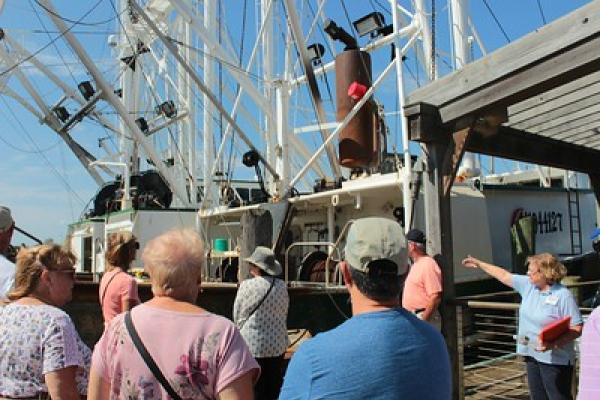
(383, 351)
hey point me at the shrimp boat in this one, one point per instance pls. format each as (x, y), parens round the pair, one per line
(274, 123)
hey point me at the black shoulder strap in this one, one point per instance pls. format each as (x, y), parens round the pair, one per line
(106, 288)
(257, 306)
(139, 345)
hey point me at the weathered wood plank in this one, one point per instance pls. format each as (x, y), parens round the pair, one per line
(555, 94)
(523, 146)
(556, 108)
(589, 124)
(579, 25)
(583, 120)
(570, 114)
(551, 72)
(581, 138)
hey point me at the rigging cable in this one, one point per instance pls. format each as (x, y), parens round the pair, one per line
(204, 53)
(154, 95)
(380, 6)
(71, 21)
(237, 91)
(497, 21)
(66, 65)
(56, 172)
(433, 44)
(38, 51)
(541, 11)
(37, 14)
(314, 14)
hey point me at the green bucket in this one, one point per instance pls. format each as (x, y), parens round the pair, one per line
(221, 244)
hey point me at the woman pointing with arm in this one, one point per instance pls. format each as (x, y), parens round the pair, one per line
(543, 301)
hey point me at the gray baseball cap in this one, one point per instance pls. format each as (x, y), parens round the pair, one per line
(6, 220)
(376, 238)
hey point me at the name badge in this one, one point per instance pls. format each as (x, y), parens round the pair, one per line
(552, 300)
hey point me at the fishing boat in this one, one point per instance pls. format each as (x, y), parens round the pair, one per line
(280, 136)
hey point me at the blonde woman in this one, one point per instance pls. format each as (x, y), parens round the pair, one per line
(41, 354)
(200, 355)
(544, 300)
(118, 290)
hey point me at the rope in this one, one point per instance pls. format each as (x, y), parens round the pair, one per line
(497, 21)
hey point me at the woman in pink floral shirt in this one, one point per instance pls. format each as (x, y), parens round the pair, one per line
(201, 355)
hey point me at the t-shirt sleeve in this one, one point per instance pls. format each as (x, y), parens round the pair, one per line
(129, 289)
(570, 309)
(234, 359)
(521, 283)
(60, 345)
(99, 356)
(297, 380)
(432, 279)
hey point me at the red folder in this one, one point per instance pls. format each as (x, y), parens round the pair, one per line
(554, 330)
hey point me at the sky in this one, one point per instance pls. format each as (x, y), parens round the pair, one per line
(44, 184)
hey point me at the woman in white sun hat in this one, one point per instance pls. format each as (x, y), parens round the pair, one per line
(260, 312)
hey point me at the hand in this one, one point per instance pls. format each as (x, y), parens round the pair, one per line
(471, 262)
(546, 346)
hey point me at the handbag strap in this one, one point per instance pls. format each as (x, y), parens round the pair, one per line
(257, 306)
(139, 345)
(106, 288)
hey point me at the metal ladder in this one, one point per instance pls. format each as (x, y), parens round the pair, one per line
(574, 221)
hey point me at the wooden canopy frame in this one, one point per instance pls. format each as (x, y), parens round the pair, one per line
(536, 100)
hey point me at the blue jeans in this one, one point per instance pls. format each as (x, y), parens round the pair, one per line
(548, 381)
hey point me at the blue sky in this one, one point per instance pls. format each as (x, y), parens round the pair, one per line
(43, 183)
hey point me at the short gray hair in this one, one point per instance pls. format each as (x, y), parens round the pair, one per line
(174, 261)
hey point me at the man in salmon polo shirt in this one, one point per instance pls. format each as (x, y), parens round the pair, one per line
(423, 287)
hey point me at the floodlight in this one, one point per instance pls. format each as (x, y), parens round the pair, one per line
(142, 124)
(167, 108)
(86, 89)
(61, 113)
(369, 23)
(251, 158)
(316, 52)
(337, 33)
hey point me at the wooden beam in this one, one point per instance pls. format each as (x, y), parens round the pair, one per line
(523, 146)
(550, 39)
(546, 74)
(439, 244)
(453, 158)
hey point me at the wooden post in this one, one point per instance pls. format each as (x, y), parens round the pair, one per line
(257, 230)
(443, 159)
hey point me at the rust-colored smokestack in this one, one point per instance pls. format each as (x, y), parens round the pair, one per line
(358, 142)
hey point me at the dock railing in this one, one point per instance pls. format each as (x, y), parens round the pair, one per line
(488, 336)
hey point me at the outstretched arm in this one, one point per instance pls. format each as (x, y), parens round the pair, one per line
(499, 273)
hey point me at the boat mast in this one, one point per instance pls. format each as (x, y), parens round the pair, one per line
(130, 84)
(462, 56)
(210, 23)
(106, 91)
